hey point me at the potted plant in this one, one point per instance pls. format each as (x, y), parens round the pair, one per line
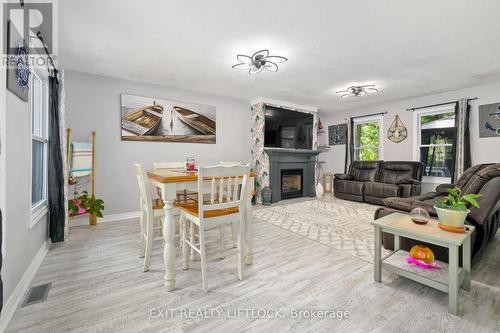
(83, 203)
(452, 210)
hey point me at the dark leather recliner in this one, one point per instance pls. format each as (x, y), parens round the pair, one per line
(483, 179)
(373, 181)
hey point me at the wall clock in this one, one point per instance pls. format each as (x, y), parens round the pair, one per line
(397, 132)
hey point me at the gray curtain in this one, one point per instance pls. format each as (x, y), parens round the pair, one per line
(462, 139)
(55, 167)
(349, 148)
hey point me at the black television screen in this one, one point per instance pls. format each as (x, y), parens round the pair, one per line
(288, 129)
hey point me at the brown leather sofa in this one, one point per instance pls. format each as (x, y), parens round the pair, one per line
(373, 181)
(483, 179)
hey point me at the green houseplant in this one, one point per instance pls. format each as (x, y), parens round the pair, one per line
(452, 210)
(90, 204)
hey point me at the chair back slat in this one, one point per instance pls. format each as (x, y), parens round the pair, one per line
(221, 190)
(225, 191)
(229, 195)
(235, 189)
(212, 191)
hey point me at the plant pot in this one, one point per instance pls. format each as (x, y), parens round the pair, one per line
(451, 218)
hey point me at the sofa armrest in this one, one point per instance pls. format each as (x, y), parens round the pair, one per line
(443, 188)
(411, 181)
(342, 176)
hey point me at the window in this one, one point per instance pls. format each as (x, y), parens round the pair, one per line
(367, 143)
(435, 132)
(39, 139)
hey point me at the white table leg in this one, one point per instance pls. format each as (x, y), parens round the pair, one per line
(453, 280)
(248, 224)
(168, 195)
(397, 242)
(466, 258)
(378, 255)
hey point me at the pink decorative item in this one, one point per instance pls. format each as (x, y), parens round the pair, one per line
(190, 164)
(421, 264)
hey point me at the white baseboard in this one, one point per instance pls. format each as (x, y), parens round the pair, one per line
(84, 220)
(19, 292)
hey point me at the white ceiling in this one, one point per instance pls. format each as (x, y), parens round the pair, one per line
(406, 47)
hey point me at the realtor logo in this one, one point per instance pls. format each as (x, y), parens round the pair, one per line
(28, 23)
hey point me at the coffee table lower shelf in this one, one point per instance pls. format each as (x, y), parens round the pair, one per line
(396, 263)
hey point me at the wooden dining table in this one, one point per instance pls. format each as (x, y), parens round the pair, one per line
(169, 181)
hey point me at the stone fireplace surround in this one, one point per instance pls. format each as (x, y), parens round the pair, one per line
(259, 159)
(283, 159)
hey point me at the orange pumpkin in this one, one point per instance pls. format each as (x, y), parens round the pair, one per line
(422, 253)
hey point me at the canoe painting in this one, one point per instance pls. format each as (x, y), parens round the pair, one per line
(143, 121)
(197, 121)
(156, 119)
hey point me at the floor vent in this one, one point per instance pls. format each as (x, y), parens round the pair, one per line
(37, 294)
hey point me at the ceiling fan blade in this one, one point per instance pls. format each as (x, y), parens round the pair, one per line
(344, 95)
(263, 53)
(244, 58)
(342, 91)
(241, 66)
(276, 59)
(271, 66)
(255, 70)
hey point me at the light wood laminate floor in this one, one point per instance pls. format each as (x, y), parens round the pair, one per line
(98, 286)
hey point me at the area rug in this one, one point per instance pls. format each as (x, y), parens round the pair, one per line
(341, 224)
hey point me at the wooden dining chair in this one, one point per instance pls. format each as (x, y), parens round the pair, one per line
(226, 201)
(149, 210)
(182, 195)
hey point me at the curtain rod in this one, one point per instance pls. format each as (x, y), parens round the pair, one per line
(439, 104)
(367, 115)
(39, 35)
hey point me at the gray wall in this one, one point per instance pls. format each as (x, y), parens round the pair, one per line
(22, 243)
(483, 149)
(93, 103)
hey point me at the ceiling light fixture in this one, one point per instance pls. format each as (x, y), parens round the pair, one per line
(259, 61)
(357, 91)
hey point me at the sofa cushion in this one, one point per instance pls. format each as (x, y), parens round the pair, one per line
(395, 172)
(349, 186)
(363, 171)
(381, 190)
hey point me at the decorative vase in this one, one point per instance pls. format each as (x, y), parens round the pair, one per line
(266, 195)
(419, 216)
(319, 190)
(451, 218)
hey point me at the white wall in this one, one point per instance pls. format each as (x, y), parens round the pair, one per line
(93, 103)
(22, 243)
(482, 149)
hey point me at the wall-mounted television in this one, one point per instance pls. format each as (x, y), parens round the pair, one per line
(288, 129)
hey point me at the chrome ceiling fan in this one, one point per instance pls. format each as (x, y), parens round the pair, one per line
(258, 62)
(357, 91)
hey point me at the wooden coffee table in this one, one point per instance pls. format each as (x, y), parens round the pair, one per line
(449, 278)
